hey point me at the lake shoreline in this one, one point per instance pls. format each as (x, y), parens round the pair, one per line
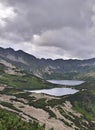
(60, 91)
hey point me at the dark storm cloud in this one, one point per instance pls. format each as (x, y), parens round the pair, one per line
(42, 14)
(55, 25)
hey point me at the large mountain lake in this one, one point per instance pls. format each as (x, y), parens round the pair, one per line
(66, 82)
(60, 91)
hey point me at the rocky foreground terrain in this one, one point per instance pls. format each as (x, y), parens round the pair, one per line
(55, 113)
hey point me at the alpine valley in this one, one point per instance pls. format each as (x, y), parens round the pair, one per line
(21, 109)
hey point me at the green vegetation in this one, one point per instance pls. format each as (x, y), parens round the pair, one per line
(9, 105)
(2, 67)
(25, 95)
(10, 91)
(55, 102)
(77, 121)
(10, 121)
(71, 75)
(23, 80)
(84, 102)
(40, 103)
(27, 81)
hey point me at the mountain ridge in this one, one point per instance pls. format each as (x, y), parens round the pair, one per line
(46, 68)
(21, 51)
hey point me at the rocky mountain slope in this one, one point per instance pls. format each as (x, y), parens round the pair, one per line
(53, 113)
(32, 111)
(47, 68)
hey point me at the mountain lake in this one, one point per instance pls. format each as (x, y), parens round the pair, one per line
(60, 91)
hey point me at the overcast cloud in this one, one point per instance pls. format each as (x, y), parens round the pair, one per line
(49, 28)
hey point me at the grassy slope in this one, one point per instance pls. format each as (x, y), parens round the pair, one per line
(24, 82)
(27, 81)
(10, 121)
(84, 101)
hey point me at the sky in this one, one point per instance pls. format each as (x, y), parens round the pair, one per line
(49, 28)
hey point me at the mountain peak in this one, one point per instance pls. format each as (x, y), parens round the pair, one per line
(10, 49)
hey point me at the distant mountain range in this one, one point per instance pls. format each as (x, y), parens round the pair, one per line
(46, 68)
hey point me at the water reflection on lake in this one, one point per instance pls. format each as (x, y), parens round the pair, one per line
(66, 82)
(56, 91)
(60, 91)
